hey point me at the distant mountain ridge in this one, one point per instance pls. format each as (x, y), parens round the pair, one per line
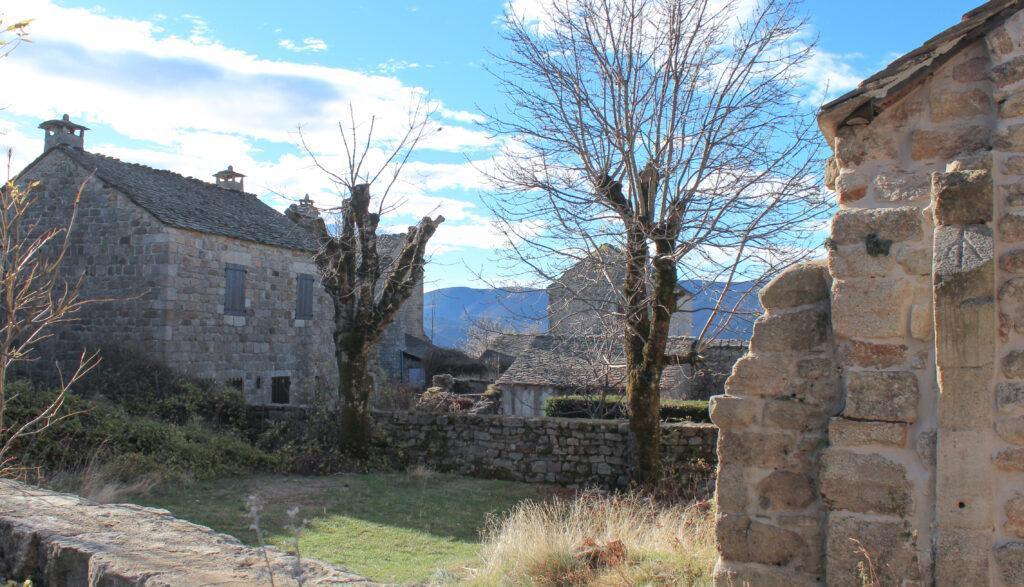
(449, 312)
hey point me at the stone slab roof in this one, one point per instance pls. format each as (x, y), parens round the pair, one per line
(193, 204)
(905, 73)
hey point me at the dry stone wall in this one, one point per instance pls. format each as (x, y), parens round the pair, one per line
(64, 540)
(919, 464)
(564, 451)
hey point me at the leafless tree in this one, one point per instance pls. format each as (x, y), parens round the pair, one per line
(35, 299)
(367, 287)
(675, 131)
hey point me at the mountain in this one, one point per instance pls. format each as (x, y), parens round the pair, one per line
(448, 313)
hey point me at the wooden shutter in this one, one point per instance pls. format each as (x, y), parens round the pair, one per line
(304, 297)
(234, 290)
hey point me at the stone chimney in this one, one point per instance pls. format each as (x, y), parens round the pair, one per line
(230, 179)
(63, 132)
(305, 209)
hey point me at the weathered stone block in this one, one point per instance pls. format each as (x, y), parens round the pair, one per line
(946, 144)
(914, 260)
(962, 556)
(972, 70)
(855, 144)
(857, 353)
(831, 172)
(963, 499)
(736, 573)
(786, 490)
(743, 539)
(962, 197)
(1013, 365)
(1011, 429)
(963, 403)
(1015, 516)
(1011, 304)
(1010, 397)
(951, 105)
(1011, 226)
(864, 483)
(1012, 195)
(1012, 261)
(1010, 460)
(798, 331)
(731, 488)
(890, 545)
(755, 448)
(879, 307)
(902, 187)
(892, 224)
(1013, 165)
(1010, 560)
(1011, 138)
(806, 283)
(890, 396)
(960, 250)
(762, 376)
(844, 433)
(793, 414)
(1012, 106)
(849, 261)
(729, 411)
(1008, 72)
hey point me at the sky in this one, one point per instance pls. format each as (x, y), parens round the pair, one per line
(193, 86)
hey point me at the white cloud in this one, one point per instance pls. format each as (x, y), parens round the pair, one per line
(829, 75)
(394, 65)
(193, 105)
(309, 44)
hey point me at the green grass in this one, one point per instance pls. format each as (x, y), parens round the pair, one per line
(389, 527)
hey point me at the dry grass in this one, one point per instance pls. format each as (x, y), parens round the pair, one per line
(597, 539)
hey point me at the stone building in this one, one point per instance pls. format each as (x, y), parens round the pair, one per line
(587, 298)
(882, 400)
(202, 276)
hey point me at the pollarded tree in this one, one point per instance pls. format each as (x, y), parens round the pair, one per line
(367, 287)
(675, 131)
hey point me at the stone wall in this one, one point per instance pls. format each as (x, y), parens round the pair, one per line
(564, 451)
(59, 539)
(774, 425)
(920, 450)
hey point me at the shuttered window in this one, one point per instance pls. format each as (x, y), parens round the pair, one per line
(234, 290)
(304, 298)
(280, 390)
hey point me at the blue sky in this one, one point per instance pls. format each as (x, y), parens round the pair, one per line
(192, 86)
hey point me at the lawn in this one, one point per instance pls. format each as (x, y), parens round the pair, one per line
(392, 527)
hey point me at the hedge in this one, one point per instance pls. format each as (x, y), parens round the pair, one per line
(613, 407)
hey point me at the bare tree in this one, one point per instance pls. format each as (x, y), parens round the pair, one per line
(675, 131)
(367, 289)
(35, 299)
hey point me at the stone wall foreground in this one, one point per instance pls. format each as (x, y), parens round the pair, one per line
(879, 417)
(564, 451)
(63, 540)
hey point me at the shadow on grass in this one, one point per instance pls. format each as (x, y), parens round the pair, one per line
(389, 526)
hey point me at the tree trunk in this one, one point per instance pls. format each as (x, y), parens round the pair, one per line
(645, 424)
(355, 386)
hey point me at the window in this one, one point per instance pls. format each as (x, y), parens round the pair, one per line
(237, 383)
(304, 298)
(279, 390)
(234, 289)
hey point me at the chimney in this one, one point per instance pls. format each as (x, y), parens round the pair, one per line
(230, 179)
(63, 132)
(305, 208)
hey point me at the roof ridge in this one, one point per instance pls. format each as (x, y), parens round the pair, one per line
(156, 169)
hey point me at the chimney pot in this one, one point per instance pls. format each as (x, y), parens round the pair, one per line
(230, 179)
(63, 132)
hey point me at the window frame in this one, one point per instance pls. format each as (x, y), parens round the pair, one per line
(287, 389)
(304, 297)
(229, 270)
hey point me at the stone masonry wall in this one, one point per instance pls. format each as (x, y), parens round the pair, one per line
(774, 425)
(564, 451)
(923, 463)
(60, 539)
(166, 292)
